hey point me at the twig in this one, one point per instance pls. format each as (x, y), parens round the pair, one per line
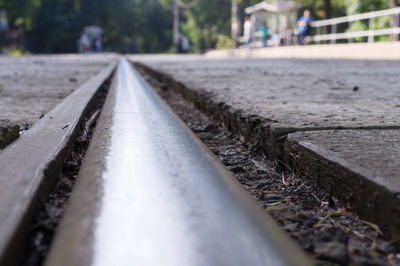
(88, 125)
(283, 179)
(274, 203)
(324, 218)
(315, 197)
(284, 164)
(373, 226)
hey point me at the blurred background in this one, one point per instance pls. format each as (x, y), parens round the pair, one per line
(142, 26)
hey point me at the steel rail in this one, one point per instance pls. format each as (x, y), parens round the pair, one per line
(150, 193)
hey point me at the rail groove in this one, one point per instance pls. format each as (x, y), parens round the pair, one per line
(150, 192)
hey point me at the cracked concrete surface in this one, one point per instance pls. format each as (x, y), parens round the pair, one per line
(30, 86)
(296, 93)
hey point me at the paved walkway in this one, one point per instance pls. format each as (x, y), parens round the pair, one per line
(300, 94)
(346, 112)
(30, 86)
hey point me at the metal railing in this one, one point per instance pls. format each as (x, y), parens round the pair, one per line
(371, 33)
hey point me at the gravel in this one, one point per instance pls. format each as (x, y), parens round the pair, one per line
(8, 133)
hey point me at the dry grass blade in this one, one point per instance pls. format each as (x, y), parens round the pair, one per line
(329, 215)
(283, 180)
(373, 226)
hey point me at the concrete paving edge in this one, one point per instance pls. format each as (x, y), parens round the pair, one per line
(257, 131)
(341, 179)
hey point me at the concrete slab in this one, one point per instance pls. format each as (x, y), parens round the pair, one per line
(360, 166)
(30, 86)
(283, 95)
(298, 93)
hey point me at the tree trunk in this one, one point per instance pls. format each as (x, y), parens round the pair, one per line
(328, 15)
(208, 37)
(328, 8)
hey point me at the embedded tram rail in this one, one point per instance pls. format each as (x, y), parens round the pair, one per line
(148, 190)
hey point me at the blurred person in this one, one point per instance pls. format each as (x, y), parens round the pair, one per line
(304, 27)
(263, 29)
(276, 38)
(92, 47)
(179, 44)
(84, 43)
(3, 26)
(185, 45)
(3, 20)
(287, 37)
(247, 31)
(97, 45)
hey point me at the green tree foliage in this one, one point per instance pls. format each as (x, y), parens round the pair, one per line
(359, 6)
(54, 26)
(202, 27)
(209, 22)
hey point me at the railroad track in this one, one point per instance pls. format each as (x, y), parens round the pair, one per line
(148, 192)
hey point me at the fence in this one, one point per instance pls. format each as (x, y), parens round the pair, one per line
(371, 33)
